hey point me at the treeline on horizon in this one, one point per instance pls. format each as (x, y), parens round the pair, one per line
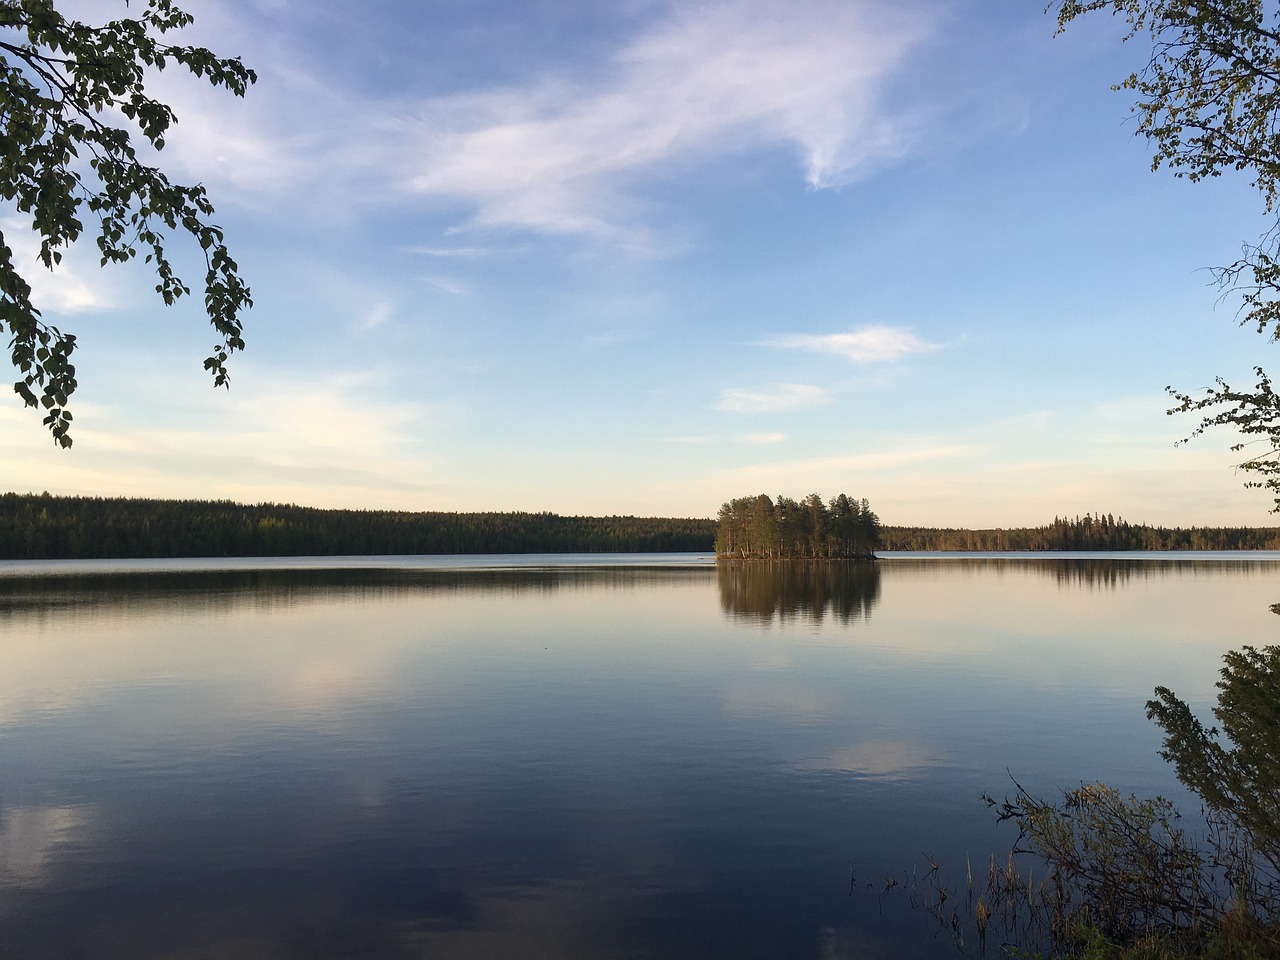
(46, 527)
(1090, 532)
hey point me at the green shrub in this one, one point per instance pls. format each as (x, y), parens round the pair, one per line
(1099, 875)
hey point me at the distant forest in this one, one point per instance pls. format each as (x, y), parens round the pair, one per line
(1090, 532)
(44, 527)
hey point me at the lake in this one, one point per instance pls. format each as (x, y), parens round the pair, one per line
(563, 757)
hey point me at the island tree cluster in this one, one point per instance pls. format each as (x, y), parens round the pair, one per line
(761, 528)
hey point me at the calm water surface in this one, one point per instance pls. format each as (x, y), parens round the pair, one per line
(527, 757)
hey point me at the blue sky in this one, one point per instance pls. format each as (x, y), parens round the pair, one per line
(641, 257)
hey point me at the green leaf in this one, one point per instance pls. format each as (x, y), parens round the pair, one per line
(60, 84)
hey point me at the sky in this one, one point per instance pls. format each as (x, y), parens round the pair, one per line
(642, 257)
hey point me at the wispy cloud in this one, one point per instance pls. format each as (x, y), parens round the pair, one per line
(564, 154)
(781, 398)
(377, 315)
(762, 438)
(616, 335)
(1141, 408)
(835, 470)
(716, 79)
(329, 440)
(452, 251)
(63, 289)
(692, 439)
(447, 285)
(866, 345)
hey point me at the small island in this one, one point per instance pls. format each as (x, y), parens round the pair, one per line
(761, 528)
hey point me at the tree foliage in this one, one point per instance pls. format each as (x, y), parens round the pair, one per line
(1209, 96)
(64, 160)
(760, 528)
(1118, 877)
(1208, 99)
(44, 527)
(1241, 776)
(1091, 532)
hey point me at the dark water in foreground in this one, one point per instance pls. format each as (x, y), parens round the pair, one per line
(470, 759)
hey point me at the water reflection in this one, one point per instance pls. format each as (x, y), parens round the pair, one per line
(88, 594)
(1093, 572)
(787, 589)
(612, 762)
(28, 836)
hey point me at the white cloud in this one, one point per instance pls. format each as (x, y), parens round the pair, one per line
(63, 289)
(451, 251)
(616, 335)
(782, 398)
(1137, 408)
(877, 469)
(866, 345)
(562, 154)
(446, 285)
(693, 439)
(377, 315)
(762, 438)
(777, 475)
(714, 80)
(333, 440)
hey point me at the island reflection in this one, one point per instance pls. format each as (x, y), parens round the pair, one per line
(788, 589)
